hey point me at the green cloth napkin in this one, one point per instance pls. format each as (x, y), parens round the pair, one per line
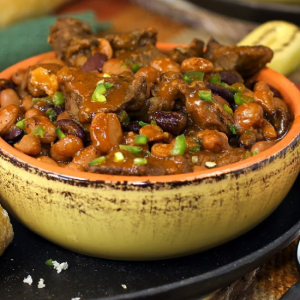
(29, 38)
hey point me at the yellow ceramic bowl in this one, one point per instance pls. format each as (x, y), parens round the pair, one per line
(143, 218)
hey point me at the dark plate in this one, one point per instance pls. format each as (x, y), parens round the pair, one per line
(253, 11)
(182, 278)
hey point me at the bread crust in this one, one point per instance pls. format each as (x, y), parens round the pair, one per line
(6, 230)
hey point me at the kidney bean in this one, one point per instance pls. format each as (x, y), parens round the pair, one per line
(196, 64)
(66, 148)
(106, 131)
(8, 117)
(222, 92)
(94, 62)
(9, 96)
(170, 121)
(71, 127)
(29, 144)
(14, 135)
(231, 77)
(132, 126)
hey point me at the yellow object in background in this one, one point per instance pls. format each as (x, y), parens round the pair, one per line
(12, 11)
(283, 38)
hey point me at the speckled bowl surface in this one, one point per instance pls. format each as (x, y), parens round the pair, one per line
(144, 218)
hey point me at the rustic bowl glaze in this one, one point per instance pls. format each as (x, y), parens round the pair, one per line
(144, 218)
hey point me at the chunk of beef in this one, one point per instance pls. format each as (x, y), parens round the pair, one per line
(71, 39)
(195, 49)
(78, 87)
(247, 60)
(132, 39)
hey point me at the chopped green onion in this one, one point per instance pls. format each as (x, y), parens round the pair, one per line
(233, 128)
(59, 133)
(180, 145)
(135, 67)
(229, 87)
(47, 99)
(97, 161)
(123, 117)
(141, 123)
(194, 159)
(140, 161)
(131, 149)
(52, 114)
(58, 98)
(21, 124)
(195, 148)
(36, 100)
(215, 78)
(118, 157)
(141, 139)
(108, 85)
(210, 164)
(247, 154)
(100, 90)
(39, 131)
(153, 122)
(49, 262)
(193, 76)
(228, 109)
(105, 75)
(205, 95)
(241, 99)
(255, 152)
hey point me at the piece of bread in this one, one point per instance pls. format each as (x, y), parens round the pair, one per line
(6, 230)
(17, 10)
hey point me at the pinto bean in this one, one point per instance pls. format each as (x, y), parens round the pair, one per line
(268, 130)
(85, 156)
(151, 74)
(47, 160)
(18, 76)
(265, 99)
(63, 115)
(153, 132)
(115, 66)
(106, 131)
(14, 135)
(8, 117)
(8, 97)
(71, 127)
(196, 64)
(161, 150)
(33, 112)
(29, 144)
(262, 146)
(94, 62)
(49, 136)
(248, 116)
(172, 122)
(66, 148)
(75, 167)
(164, 64)
(27, 102)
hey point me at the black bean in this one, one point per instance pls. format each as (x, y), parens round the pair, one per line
(231, 77)
(14, 135)
(132, 126)
(221, 91)
(275, 92)
(70, 127)
(170, 121)
(94, 62)
(59, 110)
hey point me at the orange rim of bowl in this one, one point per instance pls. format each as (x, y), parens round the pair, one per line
(291, 95)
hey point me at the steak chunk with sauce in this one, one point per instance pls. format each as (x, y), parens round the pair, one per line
(246, 60)
(78, 87)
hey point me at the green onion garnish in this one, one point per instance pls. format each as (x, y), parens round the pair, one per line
(39, 131)
(205, 95)
(59, 133)
(131, 149)
(135, 67)
(140, 161)
(141, 123)
(118, 157)
(195, 148)
(241, 99)
(233, 128)
(228, 109)
(49, 262)
(21, 124)
(100, 91)
(52, 114)
(194, 159)
(179, 146)
(215, 78)
(153, 122)
(193, 76)
(229, 87)
(47, 99)
(210, 164)
(247, 154)
(58, 98)
(255, 152)
(141, 139)
(97, 161)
